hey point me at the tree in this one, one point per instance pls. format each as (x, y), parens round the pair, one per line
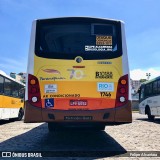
(142, 80)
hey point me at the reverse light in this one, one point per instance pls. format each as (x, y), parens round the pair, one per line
(34, 99)
(122, 99)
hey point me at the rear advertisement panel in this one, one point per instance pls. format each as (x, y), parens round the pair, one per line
(89, 86)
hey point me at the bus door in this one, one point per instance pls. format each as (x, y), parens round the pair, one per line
(141, 100)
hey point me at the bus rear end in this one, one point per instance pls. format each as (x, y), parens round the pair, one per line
(78, 73)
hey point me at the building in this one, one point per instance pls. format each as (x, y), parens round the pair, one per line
(135, 84)
(19, 77)
(23, 77)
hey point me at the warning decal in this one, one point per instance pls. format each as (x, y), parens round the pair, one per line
(103, 40)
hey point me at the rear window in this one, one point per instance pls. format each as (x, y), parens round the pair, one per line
(67, 39)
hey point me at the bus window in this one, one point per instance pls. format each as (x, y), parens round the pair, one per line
(158, 87)
(1, 84)
(7, 87)
(155, 89)
(148, 89)
(21, 92)
(15, 89)
(142, 94)
(66, 41)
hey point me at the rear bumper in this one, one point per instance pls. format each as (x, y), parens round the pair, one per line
(114, 115)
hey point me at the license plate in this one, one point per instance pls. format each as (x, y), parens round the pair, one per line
(78, 103)
(77, 117)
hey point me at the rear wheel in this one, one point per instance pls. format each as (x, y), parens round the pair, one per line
(150, 117)
(20, 114)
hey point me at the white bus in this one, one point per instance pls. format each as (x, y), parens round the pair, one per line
(149, 98)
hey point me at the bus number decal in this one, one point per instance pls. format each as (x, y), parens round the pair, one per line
(105, 94)
(104, 75)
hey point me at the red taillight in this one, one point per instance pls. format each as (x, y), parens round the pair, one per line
(33, 90)
(122, 91)
(34, 96)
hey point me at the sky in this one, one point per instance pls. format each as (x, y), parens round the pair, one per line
(142, 27)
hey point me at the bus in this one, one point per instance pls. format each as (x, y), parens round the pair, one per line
(149, 98)
(11, 98)
(78, 73)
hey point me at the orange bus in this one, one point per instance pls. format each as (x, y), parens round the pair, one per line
(78, 73)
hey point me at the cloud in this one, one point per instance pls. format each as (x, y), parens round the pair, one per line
(138, 74)
(13, 65)
(2, 72)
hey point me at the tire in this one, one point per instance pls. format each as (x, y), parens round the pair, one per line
(20, 114)
(150, 117)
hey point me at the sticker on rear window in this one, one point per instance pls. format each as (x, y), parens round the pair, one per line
(103, 40)
(98, 48)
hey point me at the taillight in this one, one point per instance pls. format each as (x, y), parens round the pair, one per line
(34, 96)
(122, 91)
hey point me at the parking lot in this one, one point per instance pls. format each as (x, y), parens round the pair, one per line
(141, 135)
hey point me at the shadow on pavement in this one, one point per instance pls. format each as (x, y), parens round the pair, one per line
(65, 143)
(156, 120)
(2, 122)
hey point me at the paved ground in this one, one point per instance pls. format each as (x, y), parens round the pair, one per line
(141, 135)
